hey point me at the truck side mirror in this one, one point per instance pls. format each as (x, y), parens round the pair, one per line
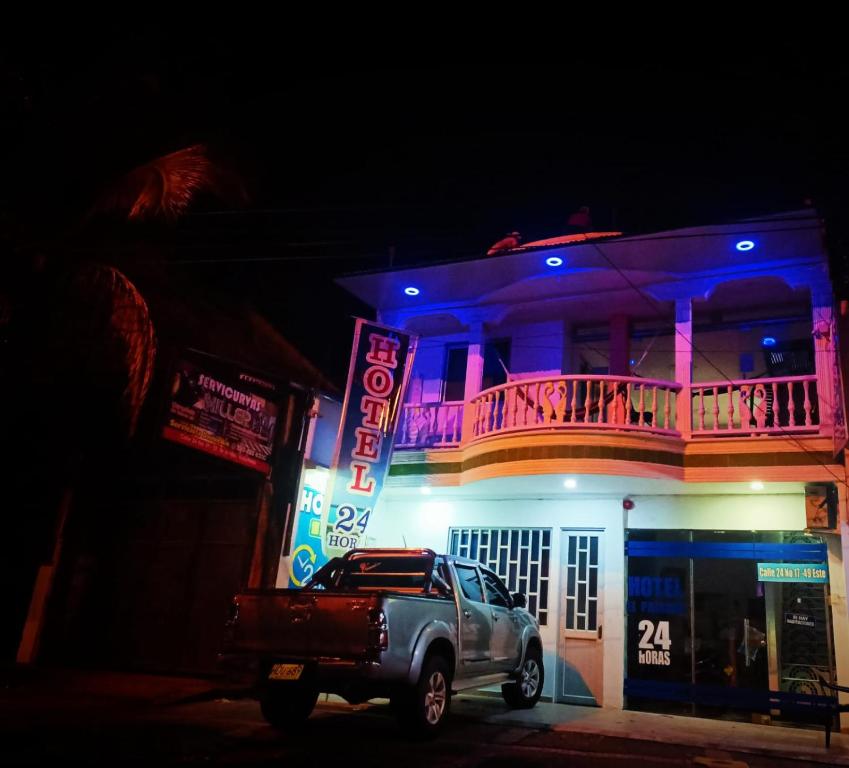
(519, 600)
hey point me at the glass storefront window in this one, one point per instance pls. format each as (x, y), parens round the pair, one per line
(716, 624)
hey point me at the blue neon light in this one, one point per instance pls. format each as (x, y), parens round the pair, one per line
(554, 261)
(745, 245)
(411, 290)
(768, 341)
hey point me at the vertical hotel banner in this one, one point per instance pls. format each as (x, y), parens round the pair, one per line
(381, 361)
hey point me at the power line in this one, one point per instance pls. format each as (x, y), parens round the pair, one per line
(722, 374)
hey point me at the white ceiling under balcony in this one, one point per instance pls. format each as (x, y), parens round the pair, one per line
(611, 273)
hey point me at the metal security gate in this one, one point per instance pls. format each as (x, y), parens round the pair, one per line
(580, 647)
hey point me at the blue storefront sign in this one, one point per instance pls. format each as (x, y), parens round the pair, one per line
(306, 556)
(381, 361)
(793, 572)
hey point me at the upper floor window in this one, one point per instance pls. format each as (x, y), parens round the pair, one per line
(454, 381)
(496, 362)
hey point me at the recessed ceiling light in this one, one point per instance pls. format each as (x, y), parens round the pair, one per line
(757, 485)
(570, 482)
(554, 261)
(768, 341)
(745, 245)
(411, 290)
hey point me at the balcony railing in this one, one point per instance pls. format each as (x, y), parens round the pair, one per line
(430, 425)
(755, 406)
(625, 403)
(575, 402)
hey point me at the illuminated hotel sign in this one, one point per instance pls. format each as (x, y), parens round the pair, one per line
(381, 361)
(796, 572)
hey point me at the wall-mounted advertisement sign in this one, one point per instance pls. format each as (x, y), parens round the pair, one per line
(793, 572)
(381, 361)
(221, 409)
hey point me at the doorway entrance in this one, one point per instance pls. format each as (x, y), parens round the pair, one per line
(580, 653)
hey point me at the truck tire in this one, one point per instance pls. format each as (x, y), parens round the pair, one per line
(422, 710)
(527, 689)
(287, 705)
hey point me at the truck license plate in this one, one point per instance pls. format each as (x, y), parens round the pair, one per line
(285, 671)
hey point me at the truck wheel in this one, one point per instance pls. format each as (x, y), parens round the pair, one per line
(423, 710)
(527, 689)
(288, 705)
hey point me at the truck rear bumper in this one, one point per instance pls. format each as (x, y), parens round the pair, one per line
(355, 680)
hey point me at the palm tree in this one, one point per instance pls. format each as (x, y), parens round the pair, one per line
(99, 342)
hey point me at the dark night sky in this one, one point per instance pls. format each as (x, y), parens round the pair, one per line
(343, 162)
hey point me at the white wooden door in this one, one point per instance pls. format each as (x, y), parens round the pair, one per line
(580, 660)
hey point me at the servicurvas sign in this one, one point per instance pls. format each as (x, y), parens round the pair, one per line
(218, 408)
(381, 361)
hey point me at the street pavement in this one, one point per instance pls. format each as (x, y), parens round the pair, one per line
(58, 717)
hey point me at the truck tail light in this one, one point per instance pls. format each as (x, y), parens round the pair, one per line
(378, 629)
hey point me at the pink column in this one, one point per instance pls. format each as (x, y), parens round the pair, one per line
(824, 356)
(684, 364)
(474, 377)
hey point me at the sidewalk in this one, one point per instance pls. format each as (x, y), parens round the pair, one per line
(770, 740)
(53, 688)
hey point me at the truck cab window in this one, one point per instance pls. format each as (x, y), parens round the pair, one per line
(496, 593)
(470, 584)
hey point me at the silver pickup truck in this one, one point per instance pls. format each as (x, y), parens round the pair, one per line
(403, 624)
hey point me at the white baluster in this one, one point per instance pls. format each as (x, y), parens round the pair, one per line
(730, 424)
(642, 419)
(587, 402)
(445, 412)
(405, 425)
(807, 406)
(602, 410)
(701, 409)
(537, 410)
(716, 409)
(573, 407)
(791, 407)
(526, 406)
(666, 408)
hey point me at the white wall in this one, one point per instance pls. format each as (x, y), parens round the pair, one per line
(429, 367)
(404, 517)
(536, 348)
(785, 512)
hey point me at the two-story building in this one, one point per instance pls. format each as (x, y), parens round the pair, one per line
(643, 434)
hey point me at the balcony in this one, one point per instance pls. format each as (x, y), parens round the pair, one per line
(719, 409)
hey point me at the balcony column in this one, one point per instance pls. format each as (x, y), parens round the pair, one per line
(825, 359)
(474, 378)
(684, 364)
(474, 362)
(620, 346)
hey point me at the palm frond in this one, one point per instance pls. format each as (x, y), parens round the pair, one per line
(109, 338)
(166, 186)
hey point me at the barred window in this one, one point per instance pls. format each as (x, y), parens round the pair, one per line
(520, 556)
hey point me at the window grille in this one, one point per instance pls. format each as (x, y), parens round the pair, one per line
(520, 556)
